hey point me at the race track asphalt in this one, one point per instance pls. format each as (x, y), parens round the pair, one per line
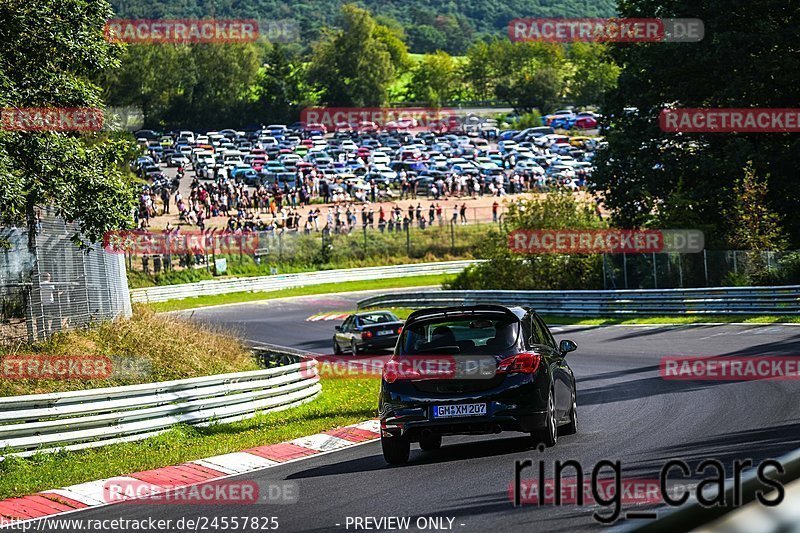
(627, 412)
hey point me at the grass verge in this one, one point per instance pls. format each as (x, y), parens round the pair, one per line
(325, 288)
(342, 402)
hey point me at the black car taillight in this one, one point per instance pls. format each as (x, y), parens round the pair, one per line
(522, 363)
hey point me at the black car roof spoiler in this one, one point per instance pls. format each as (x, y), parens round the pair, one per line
(433, 312)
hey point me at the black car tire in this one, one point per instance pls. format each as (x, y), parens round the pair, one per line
(336, 349)
(548, 435)
(395, 449)
(572, 427)
(354, 347)
(432, 442)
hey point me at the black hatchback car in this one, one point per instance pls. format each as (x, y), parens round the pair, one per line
(522, 383)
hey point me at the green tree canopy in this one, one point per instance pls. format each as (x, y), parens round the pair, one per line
(435, 79)
(355, 64)
(50, 51)
(738, 64)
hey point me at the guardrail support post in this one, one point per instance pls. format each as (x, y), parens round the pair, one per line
(453, 237)
(625, 268)
(655, 274)
(605, 286)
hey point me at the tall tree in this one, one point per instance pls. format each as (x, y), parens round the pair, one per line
(150, 77)
(280, 89)
(737, 64)
(751, 224)
(50, 51)
(355, 64)
(435, 79)
(593, 74)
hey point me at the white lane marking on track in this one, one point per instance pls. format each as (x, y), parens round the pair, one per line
(321, 442)
(91, 493)
(238, 461)
(716, 335)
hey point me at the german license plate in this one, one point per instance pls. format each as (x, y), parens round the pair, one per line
(459, 410)
(385, 332)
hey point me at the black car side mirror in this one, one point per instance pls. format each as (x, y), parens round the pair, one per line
(566, 346)
(338, 328)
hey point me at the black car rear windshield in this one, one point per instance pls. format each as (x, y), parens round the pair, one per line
(469, 335)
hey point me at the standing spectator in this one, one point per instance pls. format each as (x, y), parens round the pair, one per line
(454, 220)
(463, 212)
(495, 207)
(165, 199)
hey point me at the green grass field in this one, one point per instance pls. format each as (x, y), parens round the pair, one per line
(326, 288)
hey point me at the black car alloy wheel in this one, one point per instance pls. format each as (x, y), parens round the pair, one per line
(548, 435)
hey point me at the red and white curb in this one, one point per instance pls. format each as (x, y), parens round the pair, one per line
(328, 316)
(95, 493)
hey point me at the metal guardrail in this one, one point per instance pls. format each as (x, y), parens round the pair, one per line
(723, 300)
(288, 281)
(96, 417)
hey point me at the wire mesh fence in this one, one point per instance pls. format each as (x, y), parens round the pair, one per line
(710, 268)
(49, 284)
(265, 252)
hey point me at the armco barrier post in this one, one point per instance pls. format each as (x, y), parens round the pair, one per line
(655, 275)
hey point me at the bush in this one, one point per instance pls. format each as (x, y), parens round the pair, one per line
(507, 270)
(169, 347)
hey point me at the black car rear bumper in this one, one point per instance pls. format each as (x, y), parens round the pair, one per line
(380, 343)
(521, 421)
(517, 403)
